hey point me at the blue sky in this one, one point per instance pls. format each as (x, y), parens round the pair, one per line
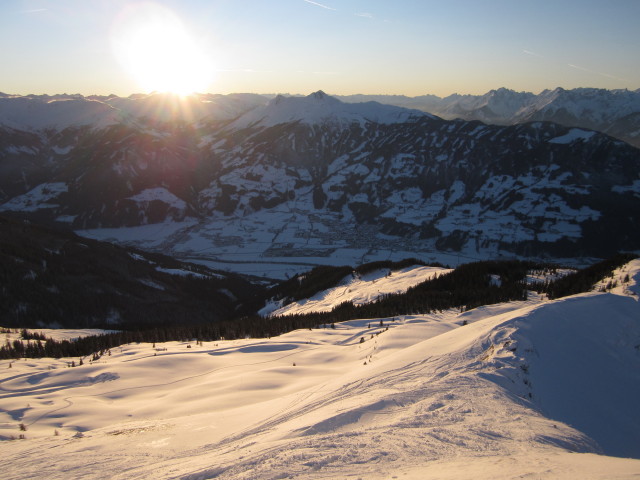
(409, 47)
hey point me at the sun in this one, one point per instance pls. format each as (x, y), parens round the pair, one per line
(157, 51)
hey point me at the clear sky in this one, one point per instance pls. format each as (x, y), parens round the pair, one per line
(410, 47)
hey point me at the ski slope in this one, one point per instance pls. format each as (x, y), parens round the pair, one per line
(535, 389)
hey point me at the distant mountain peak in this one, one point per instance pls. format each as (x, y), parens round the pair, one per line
(318, 108)
(319, 95)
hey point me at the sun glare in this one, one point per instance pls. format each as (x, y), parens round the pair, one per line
(155, 48)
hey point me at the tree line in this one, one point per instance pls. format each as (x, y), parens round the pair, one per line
(468, 286)
(583, 280)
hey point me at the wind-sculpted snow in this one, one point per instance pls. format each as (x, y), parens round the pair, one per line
(509, 394)
(585, 370)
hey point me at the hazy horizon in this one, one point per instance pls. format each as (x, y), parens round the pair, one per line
(296, 94)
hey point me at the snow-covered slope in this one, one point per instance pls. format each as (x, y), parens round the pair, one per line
(509, 395)
(359, 290)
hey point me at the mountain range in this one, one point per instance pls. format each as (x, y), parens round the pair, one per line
(271, 186)
(614, 112)
(491, 370)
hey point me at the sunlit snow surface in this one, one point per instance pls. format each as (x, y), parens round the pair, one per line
(359, 290)
(509, 395)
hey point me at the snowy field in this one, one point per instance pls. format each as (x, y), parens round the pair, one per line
(535, 389)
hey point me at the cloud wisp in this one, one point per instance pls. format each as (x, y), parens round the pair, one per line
(319, 4)
(533, 54)
(588, 70)
(576, 67)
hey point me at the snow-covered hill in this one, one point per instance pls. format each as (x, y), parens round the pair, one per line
(358, 289)
(528, 389)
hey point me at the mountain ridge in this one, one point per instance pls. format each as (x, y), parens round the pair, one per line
(318, 107)
(615, 112)
(593, 108)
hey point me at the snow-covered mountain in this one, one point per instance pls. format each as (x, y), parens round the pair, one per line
(534, 389)
(313, 180)
(24, 113)
(159, 107)
(500, 106)
(615, 112)
(319, 108)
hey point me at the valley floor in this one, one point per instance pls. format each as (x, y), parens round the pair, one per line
(536, 389)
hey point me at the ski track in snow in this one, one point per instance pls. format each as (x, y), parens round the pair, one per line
(426, 398)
